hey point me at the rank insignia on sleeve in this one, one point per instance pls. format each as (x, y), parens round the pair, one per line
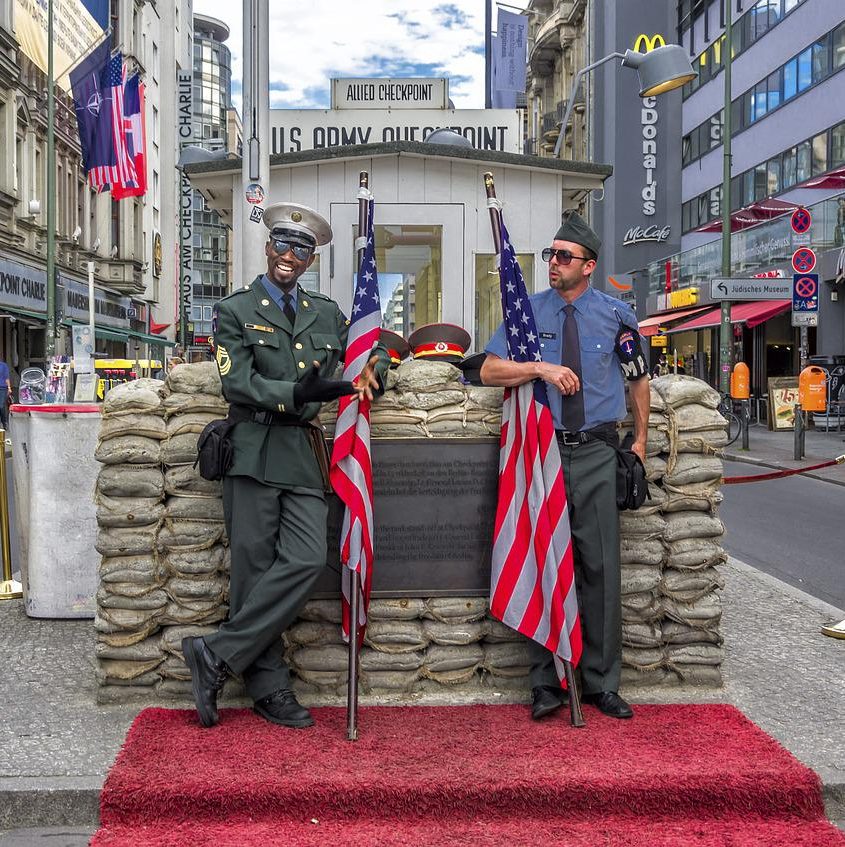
(224, 362)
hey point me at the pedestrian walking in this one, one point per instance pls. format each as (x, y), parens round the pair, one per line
(277, 347)
(586, 338)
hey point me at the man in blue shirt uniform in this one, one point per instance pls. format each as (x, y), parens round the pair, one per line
(586, 339)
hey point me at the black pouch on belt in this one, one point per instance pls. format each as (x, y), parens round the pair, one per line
(215, 450)
(631, 484)
(317, 437)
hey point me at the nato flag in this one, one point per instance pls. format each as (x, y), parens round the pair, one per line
(93, 111)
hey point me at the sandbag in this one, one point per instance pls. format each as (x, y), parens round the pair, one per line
(704, 613)
(639, 578)
(682, 390)
(636, 523)
(497, 632)
(142, 569)
(130, 481)
(403, 608)
(185, 479)
(642, 634)
(510, 659)
(484, 397)
(688, 585)
(415, 375)
(180, 449)
(192, 422)
(195, 378)
(178, 403)
(201, 587)
(456, 609)
(327, 657)
(703, 497)
(395, 636)
(195, 508)
(692, 525)
(692, 468)
(642, 607)
(130, 595)
(194, 535)
(675, 632)
(147, 650)
(189, 562)
(429, 400)
(313, 634)
(128, 450)
(128, 511)
(642, 658)
(139, 395)
(376, 660)
(322, 610)
(125, 541)
(638, 550)
(454, 634)
(695, 553)
(132, 423)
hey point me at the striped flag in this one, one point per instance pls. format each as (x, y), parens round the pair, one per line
(136, 138)
(533, 578)
(351, 465)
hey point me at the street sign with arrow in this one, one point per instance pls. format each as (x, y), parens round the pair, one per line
(750, 288)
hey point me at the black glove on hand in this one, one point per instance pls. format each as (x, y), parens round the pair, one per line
(314, 389)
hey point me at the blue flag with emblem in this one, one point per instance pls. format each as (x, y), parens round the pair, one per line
(93, 110)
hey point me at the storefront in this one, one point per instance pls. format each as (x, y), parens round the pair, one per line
(434, 246)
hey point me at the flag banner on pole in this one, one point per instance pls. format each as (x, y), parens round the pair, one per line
(510, 52)
(78, 25)
(532, 587)
(351, 464)
(136, 138)
(93, 118)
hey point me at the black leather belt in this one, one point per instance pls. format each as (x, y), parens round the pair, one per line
(602, 432)
(240, 414)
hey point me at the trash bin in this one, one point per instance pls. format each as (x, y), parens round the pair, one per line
(56, 520)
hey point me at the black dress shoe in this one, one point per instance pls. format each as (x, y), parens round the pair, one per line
(208, 674)
(281, 707)
(610, 703)
(546, 699)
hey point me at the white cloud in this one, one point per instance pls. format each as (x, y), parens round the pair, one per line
(321, 39)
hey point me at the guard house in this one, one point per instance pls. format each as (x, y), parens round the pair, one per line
(434, 244)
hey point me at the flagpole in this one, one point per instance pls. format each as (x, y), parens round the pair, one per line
(355, 587)
(50, 332)
(576, 717)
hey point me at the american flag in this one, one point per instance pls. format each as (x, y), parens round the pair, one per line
(351, 464)
(122, 173)
(533, 579)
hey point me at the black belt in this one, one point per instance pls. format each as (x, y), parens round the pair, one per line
(241, 414)
(602, 432)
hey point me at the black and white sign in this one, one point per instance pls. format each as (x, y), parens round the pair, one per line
(750, 288)
(405, 93)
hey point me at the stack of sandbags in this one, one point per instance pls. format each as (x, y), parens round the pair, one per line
(412, 645)
(429, 400)
(682, 638)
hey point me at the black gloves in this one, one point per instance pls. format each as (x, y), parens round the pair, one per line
(314, 389)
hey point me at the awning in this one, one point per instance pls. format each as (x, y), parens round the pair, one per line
(110, 334)
(751, 215)
(151, 339)
(832, 179)
(651, 325)
(752, 314)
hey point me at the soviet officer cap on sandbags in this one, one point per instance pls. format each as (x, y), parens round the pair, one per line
(439, 342)
(397, 347)
(575, 229)
(471, 368)
(294, 220)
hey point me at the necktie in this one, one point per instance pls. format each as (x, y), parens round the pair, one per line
(573, 405)
(288, 308)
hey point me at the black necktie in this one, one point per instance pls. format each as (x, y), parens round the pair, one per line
(573, 405)
(288, 308)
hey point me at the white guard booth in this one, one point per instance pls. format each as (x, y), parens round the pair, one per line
(56, 521)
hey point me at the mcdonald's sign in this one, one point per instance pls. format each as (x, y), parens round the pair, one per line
(645, 43)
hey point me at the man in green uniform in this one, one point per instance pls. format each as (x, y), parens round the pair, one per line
(277, 347)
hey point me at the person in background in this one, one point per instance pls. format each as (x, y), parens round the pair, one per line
(6, 389)
(662, 366)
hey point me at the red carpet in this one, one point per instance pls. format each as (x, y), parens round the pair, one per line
(676, 775)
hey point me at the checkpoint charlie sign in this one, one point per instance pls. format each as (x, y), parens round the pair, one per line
(410, 93)
(293, 130)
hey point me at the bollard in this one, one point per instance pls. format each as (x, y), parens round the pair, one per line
(745, 415)
(10, 589)
(798, 446)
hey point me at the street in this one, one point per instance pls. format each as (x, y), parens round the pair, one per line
(791, 528)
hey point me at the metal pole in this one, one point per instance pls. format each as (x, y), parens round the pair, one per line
(10, 589)
(743, 421)
(355, 590)
(725, 352)
(798, 442)
(575, 715)
(488, 54)
(91, 307)
(50, 339)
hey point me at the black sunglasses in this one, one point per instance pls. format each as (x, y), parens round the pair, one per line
(301, 251)
(564, 257)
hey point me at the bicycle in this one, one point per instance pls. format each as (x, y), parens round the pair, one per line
(733, 424)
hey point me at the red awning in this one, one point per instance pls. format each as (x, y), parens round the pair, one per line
(651, 325)
(751, 215)
(752, 314)
(832, 179)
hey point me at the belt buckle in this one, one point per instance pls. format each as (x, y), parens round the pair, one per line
(570, 439)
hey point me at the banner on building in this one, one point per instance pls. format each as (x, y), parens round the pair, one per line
(499, 98)
(509, 52)
(77, 26)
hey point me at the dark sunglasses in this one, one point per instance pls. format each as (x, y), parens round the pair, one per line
(301, 251)
(564, 257)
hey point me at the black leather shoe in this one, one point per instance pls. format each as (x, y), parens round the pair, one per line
(281, 707)
(610, 703)
(208, 674)
(546, 699)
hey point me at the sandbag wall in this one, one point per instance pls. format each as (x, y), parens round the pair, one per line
(164, 569)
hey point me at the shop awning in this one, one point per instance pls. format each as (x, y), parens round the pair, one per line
(110, 334)
(651, 325)
(752, 314)
(751, 215)
(151, 339)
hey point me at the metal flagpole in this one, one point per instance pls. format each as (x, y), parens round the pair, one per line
(355, 588)
(576, 718)
(50, 335)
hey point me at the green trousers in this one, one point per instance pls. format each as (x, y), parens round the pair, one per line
(589, 472)
(277, 540)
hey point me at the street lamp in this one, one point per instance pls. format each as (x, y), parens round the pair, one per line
(659, 70)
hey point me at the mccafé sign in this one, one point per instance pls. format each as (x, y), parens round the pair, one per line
(647, 43)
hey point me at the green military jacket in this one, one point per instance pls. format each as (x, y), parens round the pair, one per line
(260, 357)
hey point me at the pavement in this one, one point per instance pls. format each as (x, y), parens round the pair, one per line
(57, 743)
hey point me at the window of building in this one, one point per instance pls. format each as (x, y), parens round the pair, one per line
(488, 298)
(748, 187)
(773, 87)
(156, 64)
(805, 69)
(837, 145)
(789, 165)
(803, 160)
(821, 59)
(761, 182)
(773, 176)
(115, 226)
(790, 79)
(838, 40)
(820, 153)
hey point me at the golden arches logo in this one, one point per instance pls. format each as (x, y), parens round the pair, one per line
(649, 42)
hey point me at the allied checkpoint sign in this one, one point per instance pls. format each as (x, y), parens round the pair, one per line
(295, 130)
(805, 300)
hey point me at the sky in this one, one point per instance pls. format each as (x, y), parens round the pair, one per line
(315, 41)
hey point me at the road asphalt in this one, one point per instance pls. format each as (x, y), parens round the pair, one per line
(57, 743)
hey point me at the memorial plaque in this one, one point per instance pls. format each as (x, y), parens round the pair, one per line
(435, 508)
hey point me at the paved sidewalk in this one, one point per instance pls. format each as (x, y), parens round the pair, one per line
(56, 743)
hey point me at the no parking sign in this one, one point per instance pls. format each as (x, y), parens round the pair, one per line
(805, 299)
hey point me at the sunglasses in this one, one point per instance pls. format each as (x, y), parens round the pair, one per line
(301, 251)
(564, 257)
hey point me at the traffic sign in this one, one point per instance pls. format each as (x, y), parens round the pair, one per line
(805, 293)
(803, 260)
(805, 318)
(750, 288)
(801, 221)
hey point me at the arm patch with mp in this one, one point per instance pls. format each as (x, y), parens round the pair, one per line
(630, 353)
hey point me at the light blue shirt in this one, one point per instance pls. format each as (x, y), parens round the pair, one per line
(601, 373)
(276, 294)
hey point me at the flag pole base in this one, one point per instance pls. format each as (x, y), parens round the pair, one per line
(10, 589)
(576, 717)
